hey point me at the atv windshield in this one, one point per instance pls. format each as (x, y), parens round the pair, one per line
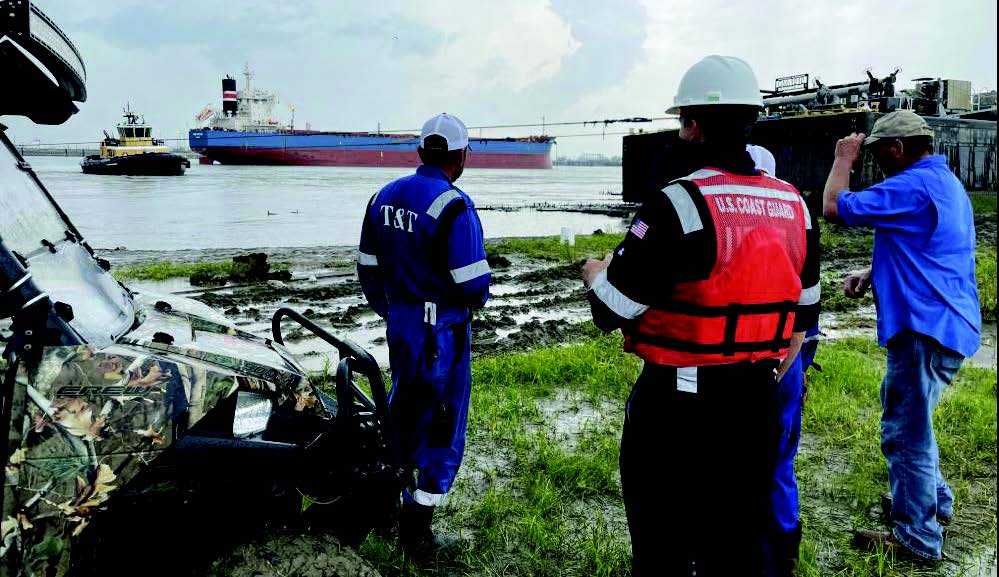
(57, 259)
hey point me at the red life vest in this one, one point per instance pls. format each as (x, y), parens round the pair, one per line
(745, 309)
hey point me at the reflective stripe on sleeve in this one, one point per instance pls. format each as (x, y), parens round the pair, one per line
(366, 259)
(810, 295)
(437, 206)
(684, 206)
(428, 499)
(702, 173)
(616, 300)
(468, 272)
(808, 215)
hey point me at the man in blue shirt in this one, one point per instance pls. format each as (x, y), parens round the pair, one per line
(422, 267)
(923, 274)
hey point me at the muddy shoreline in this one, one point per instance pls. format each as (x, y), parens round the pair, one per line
(533, 302)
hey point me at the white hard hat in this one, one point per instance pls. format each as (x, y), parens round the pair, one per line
(717, 80)
(449, 127)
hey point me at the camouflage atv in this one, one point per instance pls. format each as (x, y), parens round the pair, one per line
(147, 434)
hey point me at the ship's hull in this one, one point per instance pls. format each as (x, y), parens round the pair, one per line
(150, 164)
(333, 149)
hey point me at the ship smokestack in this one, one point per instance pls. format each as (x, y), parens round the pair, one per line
(229, 103)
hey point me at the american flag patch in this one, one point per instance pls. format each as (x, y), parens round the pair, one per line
(639, 228)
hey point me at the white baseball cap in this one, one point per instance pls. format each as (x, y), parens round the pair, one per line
(763, 159)
(449, 127)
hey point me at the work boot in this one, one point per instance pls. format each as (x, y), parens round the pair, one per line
(886, 541)
(886, 511)
(416, 535)
(785, 552)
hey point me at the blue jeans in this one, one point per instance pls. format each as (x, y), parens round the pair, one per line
(918, 370)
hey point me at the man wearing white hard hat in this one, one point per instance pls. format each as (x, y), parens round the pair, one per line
(422, 267)
(713, 287)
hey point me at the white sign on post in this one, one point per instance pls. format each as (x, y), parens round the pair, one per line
(568, 236)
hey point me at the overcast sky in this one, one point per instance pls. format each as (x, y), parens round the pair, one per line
(350, 65)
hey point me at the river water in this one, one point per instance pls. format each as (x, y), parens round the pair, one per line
(217, 206)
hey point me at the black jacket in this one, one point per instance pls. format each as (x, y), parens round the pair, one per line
(645, 269)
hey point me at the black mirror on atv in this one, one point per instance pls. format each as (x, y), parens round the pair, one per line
(42, 72)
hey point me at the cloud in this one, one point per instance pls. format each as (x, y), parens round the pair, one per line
(354, 65)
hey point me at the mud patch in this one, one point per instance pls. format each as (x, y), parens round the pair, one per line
(569, 415)
(279, 291)
(985, 229)
(545, 274)
(302, 555)
(533, 333)
(986, 355)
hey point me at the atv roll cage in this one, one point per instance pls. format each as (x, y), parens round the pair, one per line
(352, 359)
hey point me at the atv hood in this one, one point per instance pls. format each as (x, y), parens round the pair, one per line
(183, 326)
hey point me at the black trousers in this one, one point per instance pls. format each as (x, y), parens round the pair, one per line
(696, 468)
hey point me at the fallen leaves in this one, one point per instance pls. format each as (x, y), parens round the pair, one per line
(155, 436)
(77, 417)
(304, 399)
(89, 493)
(8, 525)
(153, 377)
(18, 456)
(7, 534)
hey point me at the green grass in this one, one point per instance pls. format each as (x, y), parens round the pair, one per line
(551, 247)
(539, 509)
(985, 273)
(983, 202)
(538, 498)
(841, 243)
(165, 270)
(833, 298)
(841, 470)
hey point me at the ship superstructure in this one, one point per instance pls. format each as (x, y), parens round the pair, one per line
(247, 110)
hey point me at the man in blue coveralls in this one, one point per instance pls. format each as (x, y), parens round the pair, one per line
(422, 267)
(923, 274)
(784, 541)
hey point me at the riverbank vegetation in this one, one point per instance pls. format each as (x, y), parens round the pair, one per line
(157, 271)
(539, 492)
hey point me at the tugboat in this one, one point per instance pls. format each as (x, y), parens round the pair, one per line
(135, 152)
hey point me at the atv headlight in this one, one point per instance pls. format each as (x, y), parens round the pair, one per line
(253, 410)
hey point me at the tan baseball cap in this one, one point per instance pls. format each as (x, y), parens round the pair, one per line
(898, 124)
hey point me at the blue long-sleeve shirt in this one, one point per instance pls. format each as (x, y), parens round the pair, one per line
(422, 241)
(923, 269)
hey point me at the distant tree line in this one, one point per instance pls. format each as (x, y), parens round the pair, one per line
(588, 160)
